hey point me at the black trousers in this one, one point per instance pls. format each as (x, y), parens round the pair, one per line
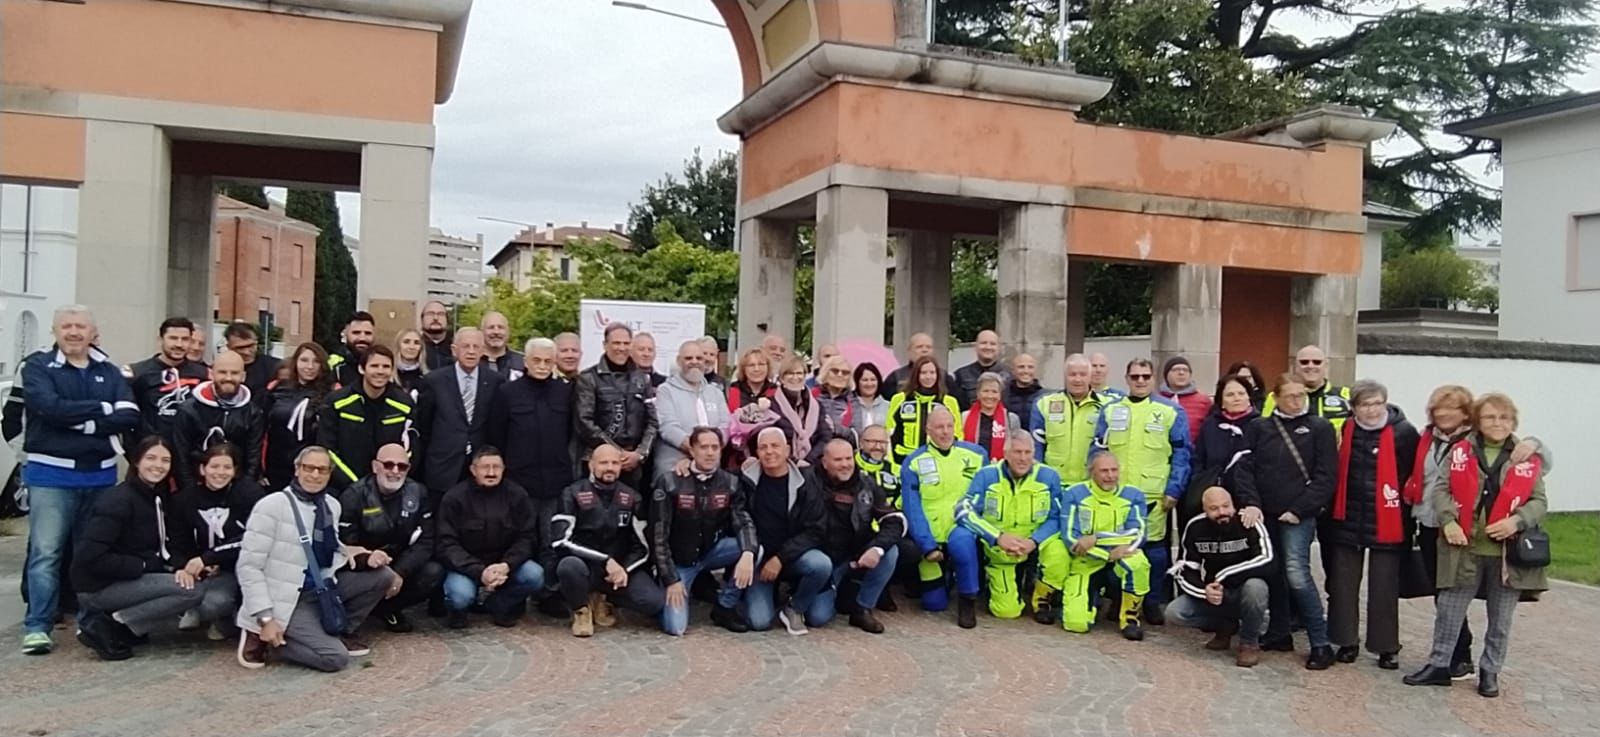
(579, 577)
(1428, 540)
(1383, 597)
(425, 583)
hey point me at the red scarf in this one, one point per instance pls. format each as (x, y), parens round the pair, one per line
(997, 435)
(1466, 482)
(1391, 527)
(1413, 492)
(736, 398)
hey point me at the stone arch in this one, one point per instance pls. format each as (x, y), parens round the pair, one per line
(768, 35)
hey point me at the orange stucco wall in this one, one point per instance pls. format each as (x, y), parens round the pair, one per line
(1167, 239)
(41, 148)
(1255, 320)
(206, 54)
(804, 140)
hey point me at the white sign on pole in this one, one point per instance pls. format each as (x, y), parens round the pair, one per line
(670, 323)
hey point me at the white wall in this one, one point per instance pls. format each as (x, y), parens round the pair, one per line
(1119, 350)
(1549, 175)
(51, 272)
(1369, 285)
(1559, 418)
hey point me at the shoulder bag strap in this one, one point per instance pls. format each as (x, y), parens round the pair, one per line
(1293, 450)
(318, 578)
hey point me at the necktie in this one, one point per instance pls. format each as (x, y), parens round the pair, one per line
(469, 395)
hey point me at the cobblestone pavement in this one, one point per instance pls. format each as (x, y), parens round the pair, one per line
(924, 677)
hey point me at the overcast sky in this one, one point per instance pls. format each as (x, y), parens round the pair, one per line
(565, 109)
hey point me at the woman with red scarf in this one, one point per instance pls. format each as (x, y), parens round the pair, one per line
(1484, 499)
(987, 423)
(1368, 519)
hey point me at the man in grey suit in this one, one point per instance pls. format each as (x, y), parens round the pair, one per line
(452, 409)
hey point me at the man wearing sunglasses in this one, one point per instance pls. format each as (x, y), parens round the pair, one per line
(1325, 398)
(384, 521)
(1149, 435)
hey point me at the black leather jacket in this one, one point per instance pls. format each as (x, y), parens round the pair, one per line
(203, 420)
(689, 514)
(868, 504)
(595, 523)
(399, 524)
(616, 407)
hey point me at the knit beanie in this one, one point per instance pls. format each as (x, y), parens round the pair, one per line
(1166, 368)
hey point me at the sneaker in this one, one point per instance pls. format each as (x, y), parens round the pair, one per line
(456, 619)
(355, 647)
(1220, 642)
(397, 622)
(252, 651)
(863, 619)
(1321, 658)
(792, 621)
(37, 643)
(1462, 671)
(967, 612)
(729, 619)
(1248, 657)
(582, 623)
(190, 621)
(215, 633)
(97, 634)
(604, 615)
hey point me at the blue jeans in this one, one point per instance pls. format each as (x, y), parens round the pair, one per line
(1243, 609)
(873, 582)
(1160, 557)
(460, 591)
(810, 574)
(1295, 587)
(675, 620)
(52, 516)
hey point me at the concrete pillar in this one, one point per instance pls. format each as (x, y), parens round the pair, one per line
(922, 291)
(395, 182)
(123, 210)
(766, 281)
(1322, 312)
(1032, 285)
(189, 259)
(852, 254)
(1186, 319)
(1077, 305)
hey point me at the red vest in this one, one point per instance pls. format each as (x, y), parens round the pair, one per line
(1466, 481)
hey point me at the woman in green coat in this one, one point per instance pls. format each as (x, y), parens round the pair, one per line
(1483, 500)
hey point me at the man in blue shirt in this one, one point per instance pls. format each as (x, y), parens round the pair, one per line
(78, 403)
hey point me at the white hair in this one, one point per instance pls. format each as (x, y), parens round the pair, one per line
(541, 343)
(1078, 359)
(66, 310)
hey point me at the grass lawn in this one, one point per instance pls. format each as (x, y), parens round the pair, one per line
(1574, 546)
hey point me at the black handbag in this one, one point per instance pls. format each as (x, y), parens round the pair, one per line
(334, 618)
(1415, 583)
(1529, 549)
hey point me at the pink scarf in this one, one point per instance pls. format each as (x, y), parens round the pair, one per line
(803, 429)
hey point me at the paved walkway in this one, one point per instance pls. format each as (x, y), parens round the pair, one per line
(924, 677)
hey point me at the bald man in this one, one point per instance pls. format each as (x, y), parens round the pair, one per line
(218, 410)
(1325, 398)
(1100, 378)
(1222, 571)
(776, 348)
(497, 352)
(987, 349)
(920, 345)
(452, 411)
(569, 355)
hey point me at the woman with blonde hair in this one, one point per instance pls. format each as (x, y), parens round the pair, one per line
(802, 412)
(410, 361)
(752, 380)
(833, 393)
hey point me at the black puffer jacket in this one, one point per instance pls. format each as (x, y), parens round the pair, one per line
(1270, 479)
(596, 523)
(122, 539)
(1019, 401)
(531, 423)
(399, 524)
(616, 407)
(204, 419)
(1359, 527)
(291, 418)
(689, 514)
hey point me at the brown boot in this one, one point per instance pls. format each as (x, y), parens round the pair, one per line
(604, 615)
(1248, 656)
(1219, 642)
(582, 623)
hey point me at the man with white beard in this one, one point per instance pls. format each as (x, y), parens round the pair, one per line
(686, 401)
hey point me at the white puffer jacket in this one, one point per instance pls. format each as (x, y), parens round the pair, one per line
(272, 562)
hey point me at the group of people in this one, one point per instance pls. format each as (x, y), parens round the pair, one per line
(286, 503)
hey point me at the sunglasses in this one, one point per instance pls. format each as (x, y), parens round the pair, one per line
(1310, 362)
(395, 465)
(1140, 377)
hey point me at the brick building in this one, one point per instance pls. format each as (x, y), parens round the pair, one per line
(264, 261)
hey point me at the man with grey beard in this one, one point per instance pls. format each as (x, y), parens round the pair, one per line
(384, 520)
(686, 401)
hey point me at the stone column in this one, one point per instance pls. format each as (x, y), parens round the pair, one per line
(1032, 285)
(124, 208)
(852, 253)
(189, 258)
(1186, 319)
(394, 233)
(1077, 306)
(1322, 312)
(766, 281)
(922, 291)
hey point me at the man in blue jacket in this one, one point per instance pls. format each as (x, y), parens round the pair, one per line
(78, 403)
(1008, 508)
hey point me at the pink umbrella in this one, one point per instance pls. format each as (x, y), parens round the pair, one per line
(858, 352)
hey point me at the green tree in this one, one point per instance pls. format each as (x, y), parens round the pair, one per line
(973, 291)
(1434, 277)
(250, 194)
(699, 204)
(336, 271)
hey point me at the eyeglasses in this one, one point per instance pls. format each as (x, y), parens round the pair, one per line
(1373, 404)
(395, 465)
(839, 372)
(308, 468)
(1310, 362)
(793, 373)
(1140, 377)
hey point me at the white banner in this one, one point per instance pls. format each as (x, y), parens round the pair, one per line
(669, 323)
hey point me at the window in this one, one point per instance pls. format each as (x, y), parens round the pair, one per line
(294, 318)
(264, 305)
(299, 261)
(1583, 252)
(566, 269)
(266, 253)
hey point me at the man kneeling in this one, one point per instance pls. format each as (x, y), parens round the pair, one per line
(603, 553)
(1105, 522)
(1222, 571)
(488, 538)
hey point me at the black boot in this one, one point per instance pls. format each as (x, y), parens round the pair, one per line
(967, 612)
(1348, 653)
(729, 619)
(1389, 661)
(1429, 676)
(1285, 645)
(98, 633)
(886, 602)
(397, 621)
(1321, 658)
(1488, 684)
(456, 619)
(1048, 610)
(1154, 613)
(863, 619)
